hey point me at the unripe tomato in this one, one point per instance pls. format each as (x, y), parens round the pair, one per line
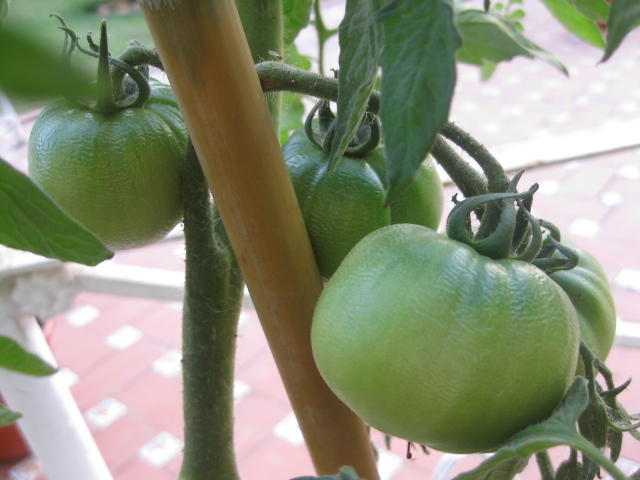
(342, 208)
(119, 174)
(431, 342)
(588, 288)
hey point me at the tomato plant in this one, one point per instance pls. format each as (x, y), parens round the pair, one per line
(412, 47)
(341, 208)
(115, 168)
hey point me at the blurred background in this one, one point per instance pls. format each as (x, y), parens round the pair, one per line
(576, 135)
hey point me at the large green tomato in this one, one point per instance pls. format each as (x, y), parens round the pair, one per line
(588, 288)
(431, 342)
(118, 174)
(342, 208)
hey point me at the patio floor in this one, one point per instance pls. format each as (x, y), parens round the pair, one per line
(122, 356)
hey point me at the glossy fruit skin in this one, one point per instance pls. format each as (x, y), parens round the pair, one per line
(588, 289)
(119, 174)
(431, 342)
(342, 208)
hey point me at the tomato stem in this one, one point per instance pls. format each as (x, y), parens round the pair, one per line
(468, 179)
(277, 76)
(263, 24)
(544, 465)
(135, 55)
(323, 33)
(212, 301)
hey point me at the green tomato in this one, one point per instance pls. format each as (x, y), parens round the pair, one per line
(342, 208)
(119, 174)
(588, 288)
(431, 342)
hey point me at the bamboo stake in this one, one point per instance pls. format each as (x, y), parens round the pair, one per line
(207, 59)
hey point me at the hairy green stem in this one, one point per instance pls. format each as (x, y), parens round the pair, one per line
(279, 77)
(544, 465)
(212, 302)
(497, 177)
(263, 24)
(322, 32)
(470, 182)
(498, 181)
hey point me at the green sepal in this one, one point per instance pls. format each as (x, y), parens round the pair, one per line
(322, 132)
(105, 102)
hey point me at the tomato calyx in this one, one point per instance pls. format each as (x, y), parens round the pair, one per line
(365, 141)
(113, 92)
(517, 235)
(509, 239)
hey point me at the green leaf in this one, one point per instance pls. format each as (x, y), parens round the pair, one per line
(418, 79)
(7, 417)
(489, 38)
(32, 221)
(296, 17)
(346, 473)
(31, 69)
(360, 38)
(487, 69)
(624, 16)
(14, 357)
(596, 10)
(579, 25)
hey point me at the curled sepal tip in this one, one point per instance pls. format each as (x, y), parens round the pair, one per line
(567, 260)
(322, 133)
(501, 242)
(105, 102)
